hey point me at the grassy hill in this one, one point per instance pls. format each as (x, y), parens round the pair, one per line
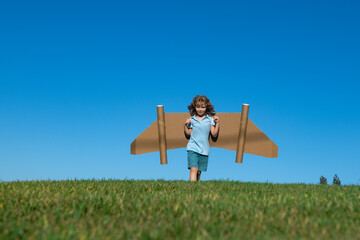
(126, 209)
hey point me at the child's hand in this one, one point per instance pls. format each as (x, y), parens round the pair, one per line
(216, 119)
(187, 122)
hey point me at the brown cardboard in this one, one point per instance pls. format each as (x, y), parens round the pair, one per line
(242, 133)
(162, 134)
(256, 143)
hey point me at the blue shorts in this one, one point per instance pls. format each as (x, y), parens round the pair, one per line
(197, 160)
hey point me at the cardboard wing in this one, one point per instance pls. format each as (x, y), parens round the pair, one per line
(256, 142)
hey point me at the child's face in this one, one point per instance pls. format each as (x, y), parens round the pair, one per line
(200, 108)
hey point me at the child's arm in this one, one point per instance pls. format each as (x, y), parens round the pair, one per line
(215, 129)
(187, 130)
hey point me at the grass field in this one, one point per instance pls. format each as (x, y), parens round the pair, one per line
(126, 209)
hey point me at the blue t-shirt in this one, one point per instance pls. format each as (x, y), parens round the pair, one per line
(199, 139)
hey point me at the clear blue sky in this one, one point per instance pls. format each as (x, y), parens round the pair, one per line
(80, 80)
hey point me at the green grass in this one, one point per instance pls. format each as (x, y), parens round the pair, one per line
(126, 209)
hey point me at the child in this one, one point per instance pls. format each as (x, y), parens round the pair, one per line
(198, 129)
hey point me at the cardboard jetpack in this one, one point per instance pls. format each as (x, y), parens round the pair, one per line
(236, 133)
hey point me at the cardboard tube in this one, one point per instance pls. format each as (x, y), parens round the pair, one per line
(242, 133)
(162, 134)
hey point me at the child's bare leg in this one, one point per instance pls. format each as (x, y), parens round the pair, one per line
(193, 174)
(198, 175)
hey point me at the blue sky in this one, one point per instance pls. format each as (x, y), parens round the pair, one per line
(80, 80)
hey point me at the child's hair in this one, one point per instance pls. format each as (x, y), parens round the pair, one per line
(203, 99)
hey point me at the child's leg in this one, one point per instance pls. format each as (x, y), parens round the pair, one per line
(203, 162)
(193, 174)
